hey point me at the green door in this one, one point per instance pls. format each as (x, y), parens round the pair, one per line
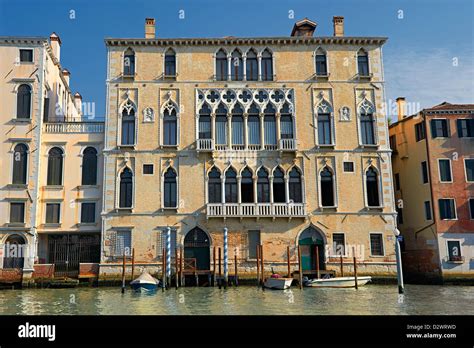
(197, 246)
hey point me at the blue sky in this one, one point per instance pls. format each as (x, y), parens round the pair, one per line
(429, 57)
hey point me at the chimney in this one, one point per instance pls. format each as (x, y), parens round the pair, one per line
(149, 28)
(401, 107)
(78, 102)
(55, 43)
(66, 75)
(338, 23)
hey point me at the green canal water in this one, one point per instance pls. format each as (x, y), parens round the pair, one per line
(371, 299)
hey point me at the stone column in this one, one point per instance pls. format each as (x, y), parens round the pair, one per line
(229, 130)
(262, 132)
(213, 128)
(287, 189)
(239, 190)
(246, 132)
(278, 128)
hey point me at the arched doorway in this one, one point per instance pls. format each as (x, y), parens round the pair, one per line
(14, 252)
(309, 240)
(197, 246)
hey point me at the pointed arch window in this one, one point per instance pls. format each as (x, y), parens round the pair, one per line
(327, 187)
(129, 62)
(128, 124)
(325, 136)
(372, 187)
(170, 126)
(367, 123)
(126, 189)
(251, 66)
(230, 186)
(279, 186)
(267, 66)
(170, 189)
(286, 123)
(20, 164)
(23, 105)
(55, 166)
(246, 186)
(321, 63)
(214, 186)
(295, 186)
(221, 125)
(237, 125)
(270, 125)
(170, 63)
(363, 63)
(89, 166)
(263, 186)
(205, 122)
(253, 125)
(221, 65)
(237, 66)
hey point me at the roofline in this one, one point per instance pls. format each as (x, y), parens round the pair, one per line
(245, 40)
(16, 39)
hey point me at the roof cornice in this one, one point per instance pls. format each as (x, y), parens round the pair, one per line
(35, 40)
(343, 40)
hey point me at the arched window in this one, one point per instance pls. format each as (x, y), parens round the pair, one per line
(263, 186)
(270, 125)
(129, 62)
(205, 122)
(295, 186)
(251, 66)
(367, 123)
(278, 186)
(363, 63)
(89, 166)
(20, 164)
(221, 125)
(267, 66)
(214, 186)
(246, 186)
(170, 129)
(321, 63)
(372, 187)
(253, 125)
(324, 123)
(230, 186)
(170, 189)
(170, 63)
(23, 101)
(128, 124)
(126, 189)
(221, 65)
(286, 123)
(237, 125)
(55, 166)
(327, 188)
(237, 66)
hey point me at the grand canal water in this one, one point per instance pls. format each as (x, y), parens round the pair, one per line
(371, 299)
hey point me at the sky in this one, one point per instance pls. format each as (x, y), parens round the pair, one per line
(428, 59)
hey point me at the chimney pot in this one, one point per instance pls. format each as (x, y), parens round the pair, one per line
(55, 42)
(338, 23)
(401, 105)
(78, 102)
(149, 28)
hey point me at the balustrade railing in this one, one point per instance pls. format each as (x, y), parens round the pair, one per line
(256, 210)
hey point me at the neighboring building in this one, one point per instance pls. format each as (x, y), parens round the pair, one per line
(51, 160)
(433, 167)
(280, 139)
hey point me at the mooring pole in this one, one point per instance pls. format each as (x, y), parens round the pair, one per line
(123, 271)
(355, 268)
(317, 262)
(288, 260)
(214, 266)
(236, 277)
(263, 265)
(401, 286)
(133, 263)
(300, 268)
(220, 269)
(168, 256)
(226, 258)
(258, 265)
(342, 267)
(176, 269)
(163, 270)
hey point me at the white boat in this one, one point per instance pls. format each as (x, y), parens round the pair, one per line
(145, 282)
(337, 282)
(278, 283)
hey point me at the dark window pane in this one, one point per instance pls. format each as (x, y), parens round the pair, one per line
(445, 170)
(447, 209)
(89, 166)
(397, 182)
(263, 186)
(17, 212)
(327, 188)
(170, 188)
(372, 188)
(424, 172)
(439, 128)
(253, 241)
(465, 128)
(267, 66)
(376, 244)
(278, 186)
(471, 208)
(129, 63)
(53, 213)
(469, 163)
(363, 64)
(295, 186)
(215, 186)
(420, 131)
(349, 167)
(252, 66)
(170, 64)
(324, 129)
(221, 66)
(23, 106)
(20, 164)
(454, 250)
(367, 129)
(88, 212)
(338, 241)
(428, 210)
(26, 55)
(230, 186)
(126, 189)
(55, 166)
(321, 65)
(170, 128)
(128, 127)
(148, 169)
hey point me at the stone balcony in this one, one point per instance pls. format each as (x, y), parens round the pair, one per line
(256, 210)
(208, 145)
(74, 127)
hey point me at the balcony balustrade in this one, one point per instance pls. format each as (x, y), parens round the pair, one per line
(208, 145)
(242, 210)
(74, 127)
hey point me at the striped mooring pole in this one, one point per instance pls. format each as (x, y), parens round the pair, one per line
(168, 255)
(226, 258)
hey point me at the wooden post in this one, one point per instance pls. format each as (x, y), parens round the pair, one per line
(220, 270)
(263, 264)
(300, 268)
(288, 261)
(258, 265)
(163, 270)
(214, 267)
(317, 261)
(176, 267)
(133, 263)
(236, 281)
(181, 266)
(342, 268)
(355, 268)
(123, 272)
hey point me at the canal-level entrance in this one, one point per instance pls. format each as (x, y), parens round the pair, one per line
(310, 240)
